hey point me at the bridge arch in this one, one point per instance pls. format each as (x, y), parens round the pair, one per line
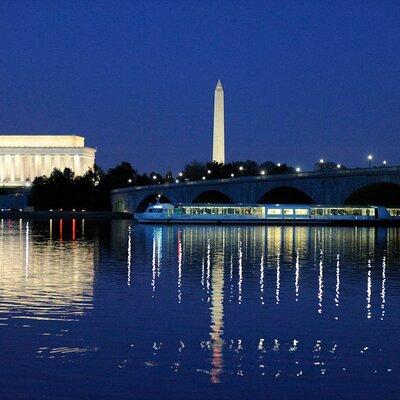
(285, 195)
(379, 194)
(151, 199)
(212, 196)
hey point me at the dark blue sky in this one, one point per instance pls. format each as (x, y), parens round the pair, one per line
(302, 79)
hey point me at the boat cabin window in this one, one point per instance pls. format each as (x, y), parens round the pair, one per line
(257, 211)
(288, 211)
(346, 211)
(394, 212)
(274, 211)
(301, 211)
(155, 210)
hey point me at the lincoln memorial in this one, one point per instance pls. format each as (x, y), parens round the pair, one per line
(24, 157)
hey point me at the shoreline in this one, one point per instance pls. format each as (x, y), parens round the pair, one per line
(106, 215)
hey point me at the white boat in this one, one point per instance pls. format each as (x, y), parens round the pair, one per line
(260, 213)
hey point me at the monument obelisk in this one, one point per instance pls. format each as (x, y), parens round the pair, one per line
(219, 125)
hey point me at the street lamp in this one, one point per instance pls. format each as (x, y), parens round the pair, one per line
(204, 178)
(129, 180)
(209, 171)
(154, 177)
(180, 174)
(279, 164)
(232, 175)
(370, 157)
(298, 169)
(321, 161)
(176, 180)
(338, 166)
(384, 163)
(241, 168)
(262, 172)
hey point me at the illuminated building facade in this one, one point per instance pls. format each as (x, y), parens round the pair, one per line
(24, 157)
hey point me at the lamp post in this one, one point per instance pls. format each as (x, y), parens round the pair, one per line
(370, 157)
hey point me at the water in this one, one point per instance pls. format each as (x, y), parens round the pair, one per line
(113, 310)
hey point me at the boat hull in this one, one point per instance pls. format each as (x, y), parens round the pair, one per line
(343, 222)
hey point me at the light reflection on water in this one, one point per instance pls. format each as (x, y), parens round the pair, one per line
(187, 310)
(43, 279)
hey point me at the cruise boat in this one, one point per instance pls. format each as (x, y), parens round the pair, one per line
(261, 214)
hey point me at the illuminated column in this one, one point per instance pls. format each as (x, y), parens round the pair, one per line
(76, 165)
(37, 165)
(71, 162)
(84, 165)
(47, 164)
(219, 125)
(42, 164)
(31, 167)
(27, 167)
(57, 161)
(12, 169)
(7, 163)
(2, 168)
(21, 167)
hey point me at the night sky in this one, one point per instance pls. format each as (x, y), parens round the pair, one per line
(302, 80)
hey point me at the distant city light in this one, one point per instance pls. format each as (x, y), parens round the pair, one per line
(232, 175)
(176, 180)
(338, 166)
(241, 168)
(204, 178)
(180, 174)
(321, 161)
(209, 171)
(262, 172)
(298, 169)
(154, 177)
(279, 164)
(384, 162)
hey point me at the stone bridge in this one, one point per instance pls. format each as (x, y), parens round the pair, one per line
(375, 186)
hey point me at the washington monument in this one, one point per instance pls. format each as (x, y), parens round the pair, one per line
(219, 125)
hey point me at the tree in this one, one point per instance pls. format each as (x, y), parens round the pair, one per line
(328, 166)
(194, 171)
